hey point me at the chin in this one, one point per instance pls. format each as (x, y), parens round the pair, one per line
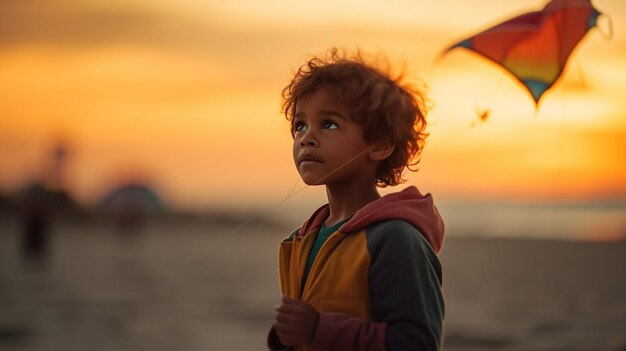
(310, 180)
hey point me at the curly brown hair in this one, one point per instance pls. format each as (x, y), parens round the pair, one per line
(390, 110)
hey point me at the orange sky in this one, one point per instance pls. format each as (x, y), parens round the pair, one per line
(187, 95)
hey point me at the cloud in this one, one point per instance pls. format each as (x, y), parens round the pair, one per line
(193, 27)
(73, 24)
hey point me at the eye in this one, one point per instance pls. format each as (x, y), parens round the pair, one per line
(298, 126)
(328, 124)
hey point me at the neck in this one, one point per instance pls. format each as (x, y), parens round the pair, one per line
(346, 199)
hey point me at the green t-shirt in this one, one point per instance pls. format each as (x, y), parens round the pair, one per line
(322, 234)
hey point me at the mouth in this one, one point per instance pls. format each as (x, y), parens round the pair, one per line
(308, 159)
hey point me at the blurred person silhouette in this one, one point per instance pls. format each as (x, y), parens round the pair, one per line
(362, 273)
(39, 201)
(35, 223)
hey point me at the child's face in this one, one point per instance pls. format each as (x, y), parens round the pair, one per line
(328, 145)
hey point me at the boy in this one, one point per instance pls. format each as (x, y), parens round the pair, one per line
(362, 272)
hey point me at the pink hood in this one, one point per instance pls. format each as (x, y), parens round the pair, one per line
(409, 205)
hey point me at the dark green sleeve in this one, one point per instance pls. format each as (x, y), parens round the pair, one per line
(405, 286)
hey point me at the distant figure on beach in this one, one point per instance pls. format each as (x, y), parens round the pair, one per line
(361, 273)
(42, 200)
(35, 223)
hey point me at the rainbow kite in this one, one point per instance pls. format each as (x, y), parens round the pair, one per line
(535, 46)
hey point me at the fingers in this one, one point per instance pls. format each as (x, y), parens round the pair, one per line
(290, 306)
(284, 328)
(296, 321)
(288, 300)
(284, 317)
(286, 333)
(286, 313)
(286, 339)
(285, 309)
(286, 325)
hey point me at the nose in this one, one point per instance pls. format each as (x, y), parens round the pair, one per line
(309, 139)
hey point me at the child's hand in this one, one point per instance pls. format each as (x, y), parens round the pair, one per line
(296, 322)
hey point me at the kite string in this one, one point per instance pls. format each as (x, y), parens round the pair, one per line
(327, 175)
(263, 216)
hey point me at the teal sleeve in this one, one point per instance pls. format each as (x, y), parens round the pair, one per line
(405, 286)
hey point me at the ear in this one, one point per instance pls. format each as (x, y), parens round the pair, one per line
(380, 150)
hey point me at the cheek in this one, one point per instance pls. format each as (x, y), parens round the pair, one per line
(295, 149)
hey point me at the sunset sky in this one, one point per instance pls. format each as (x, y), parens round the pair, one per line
(186, 96)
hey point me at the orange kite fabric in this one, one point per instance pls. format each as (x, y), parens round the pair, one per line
(535, 46)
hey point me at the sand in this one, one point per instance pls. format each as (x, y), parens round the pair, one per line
(207, 286)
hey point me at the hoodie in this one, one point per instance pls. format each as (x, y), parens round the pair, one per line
(376, 281)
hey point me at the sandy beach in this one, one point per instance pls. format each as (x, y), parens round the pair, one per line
(195, 285)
